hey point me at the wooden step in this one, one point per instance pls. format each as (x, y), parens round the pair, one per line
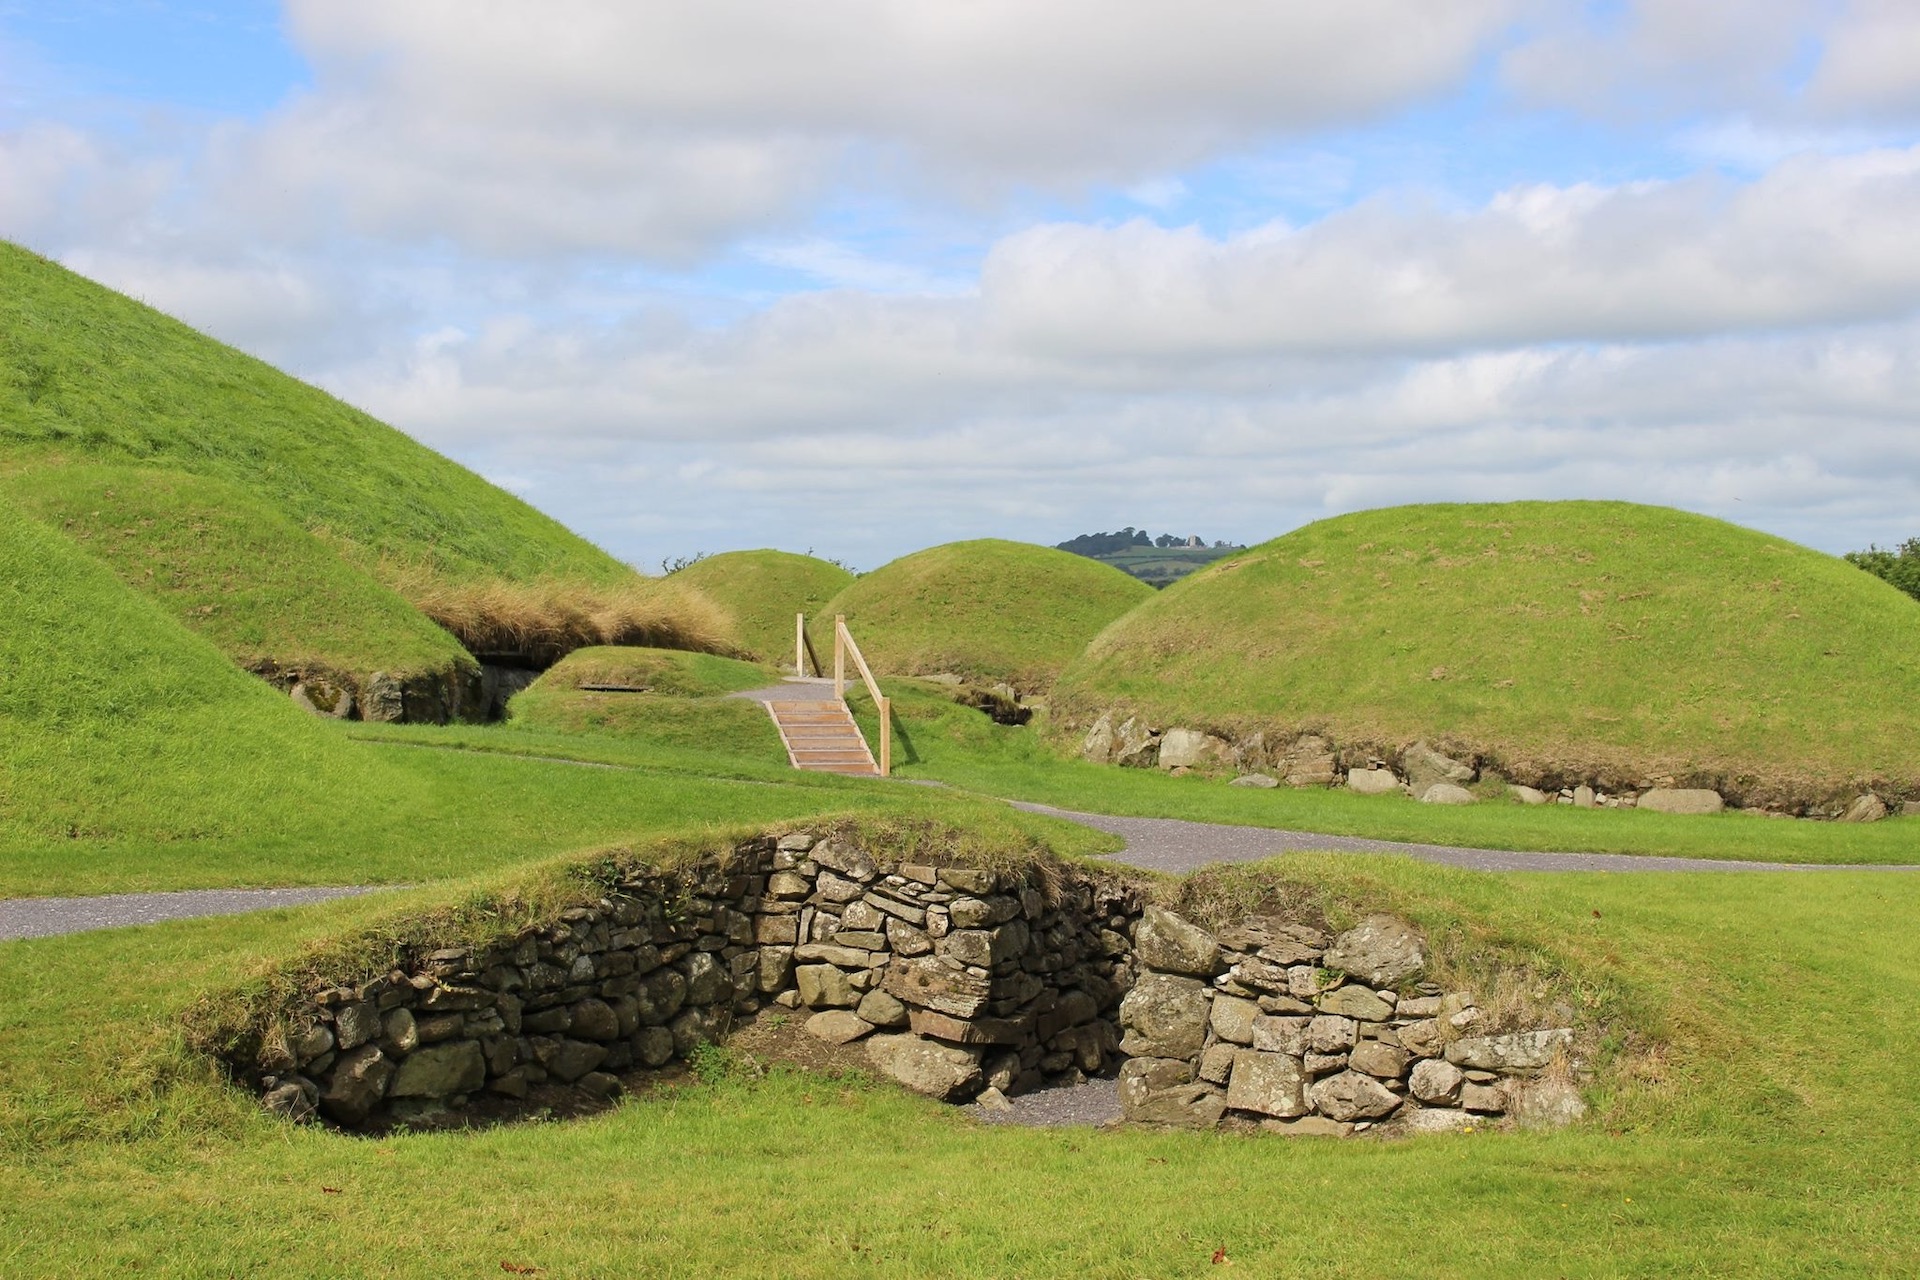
(822, 737)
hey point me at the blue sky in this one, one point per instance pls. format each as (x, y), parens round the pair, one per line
(863, 276)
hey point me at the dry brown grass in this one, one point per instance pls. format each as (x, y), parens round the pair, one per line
(542, 622)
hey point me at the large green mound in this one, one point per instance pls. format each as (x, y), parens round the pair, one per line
(994, 609)
(763, 590)
(1581, 640)
(118, 724)
(87, 373)
(267, 593)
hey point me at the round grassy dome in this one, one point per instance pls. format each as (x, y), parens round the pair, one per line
(985, 609)
(763, 590)
(1569, 639)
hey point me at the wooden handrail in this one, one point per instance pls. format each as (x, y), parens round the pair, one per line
(803, 648)
(843, 644)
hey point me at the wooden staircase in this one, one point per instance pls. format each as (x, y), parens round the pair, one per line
(822, 737)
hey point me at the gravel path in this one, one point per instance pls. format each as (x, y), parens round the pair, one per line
(1094, 1103)
(1169, 844)
(45, 917)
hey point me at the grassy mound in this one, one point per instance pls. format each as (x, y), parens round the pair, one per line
(1557, 640)
(993, 609)
(763, 590)
(662, 698)
(662, 671)
(264, 591)
(118, 724)
(87, 373)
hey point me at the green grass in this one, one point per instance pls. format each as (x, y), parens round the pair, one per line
(1773, 1137)
(263, 590)
(1569, 640)
(89, 374)
(987, 609)
(763, 590)
(938, 739)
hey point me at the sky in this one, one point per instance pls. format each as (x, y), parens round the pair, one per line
(858, 277)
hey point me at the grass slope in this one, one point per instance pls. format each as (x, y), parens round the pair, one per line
(1558, 639)
(992, 609)
(117, 724)
(259, 587)
(763, 590)
(87, 373)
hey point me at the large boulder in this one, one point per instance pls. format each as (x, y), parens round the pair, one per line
(1545, 1104)
(1372, 782)
(947, 1072)
(441, 1070)
(1436, 1082)
(1352, 1096)
(1446, 793)
(1097, 747)
(1517, 1051)
(1165, 1016)
(357, 1086)
(1272, 1084)
(1165, 942)
(1424, 766)
(1381, 951)
(1134, 744)
(1357, 1003)
(1681, 800)
(1193, 749)
(1868, 808)
(837, 1026)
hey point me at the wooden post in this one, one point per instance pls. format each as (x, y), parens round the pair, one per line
(800, 644)
(840, 656)
(886, 737)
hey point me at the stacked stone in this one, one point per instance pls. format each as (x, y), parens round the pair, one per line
(960, 978)
(1275, 1022)
(659, 966)
(975, 978)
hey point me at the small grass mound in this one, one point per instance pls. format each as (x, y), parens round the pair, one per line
(671, 672)
(1567, 640)
(763, 590)
(264, 591)
(985, 609)
(659, 697)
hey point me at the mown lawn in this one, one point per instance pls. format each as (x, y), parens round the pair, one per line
(1772, 1138)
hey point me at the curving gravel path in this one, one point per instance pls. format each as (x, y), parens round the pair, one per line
(1170, 844)
(46, 917)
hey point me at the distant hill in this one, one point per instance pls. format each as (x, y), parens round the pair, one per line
(1155, 561)
(763, 590)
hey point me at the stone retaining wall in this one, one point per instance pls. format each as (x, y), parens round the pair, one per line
(959, 982)
(1434, 777)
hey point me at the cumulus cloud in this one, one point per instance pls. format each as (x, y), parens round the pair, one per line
(666, 128)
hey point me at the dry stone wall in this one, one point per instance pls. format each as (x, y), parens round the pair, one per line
(958, 982)
(1277, 1022)
(958, 979)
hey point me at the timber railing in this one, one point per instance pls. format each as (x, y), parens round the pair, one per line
(843, 646)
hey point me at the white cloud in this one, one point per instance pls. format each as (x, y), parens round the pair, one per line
(666, 128)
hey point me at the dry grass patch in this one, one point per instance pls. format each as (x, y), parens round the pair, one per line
(543, 621)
